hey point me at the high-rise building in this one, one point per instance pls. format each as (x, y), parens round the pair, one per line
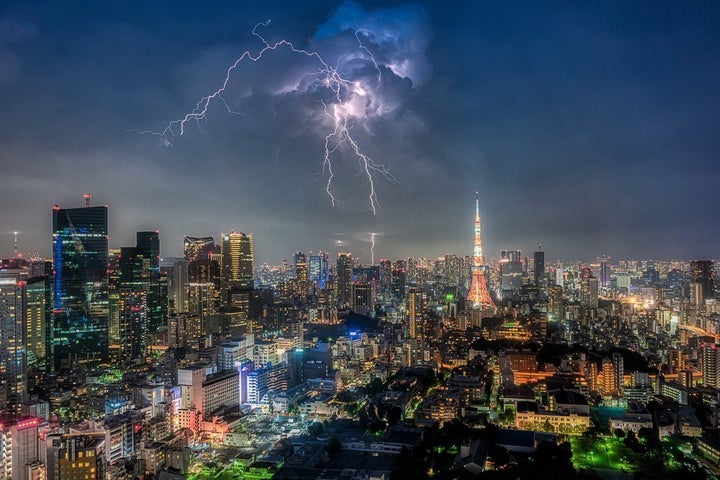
(399, 281)
(619, 367)
(198, 248)
(344, 278)
(589, 294)
(711, 365)
(702, 274)
(80, 285)
(19, 448)
(237, 260)
(604, 273)
(555, 303)
(133, 286)
(361, 297)
(176, 270)
(38, 319)
(318, 269)
(148, 248)
(609, 385)
(539, 268)
(416, 305)
(301, 276)
(385, 279)
(13, 337)
(511, 271)
(479, 295)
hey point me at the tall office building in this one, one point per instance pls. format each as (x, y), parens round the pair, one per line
(176, 270)
(702, 274)
(38, 319)
(385, 279)
(134, 280)
(318, 269)
(511, 271)
(80, 285)
(415, 308)
(604, 273)
(301, 276)
(539, 268)
(13, 356)
(148, 248)
(361, 297)
(237, 260)
(196, 248)
(589, 293)
(344, 278)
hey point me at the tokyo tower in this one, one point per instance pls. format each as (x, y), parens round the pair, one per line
(479, 295)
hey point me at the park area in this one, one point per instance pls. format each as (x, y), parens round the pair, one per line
(621, 456)
(603, 452)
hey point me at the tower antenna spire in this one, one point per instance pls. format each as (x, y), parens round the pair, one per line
(479, 295)
(15, 241)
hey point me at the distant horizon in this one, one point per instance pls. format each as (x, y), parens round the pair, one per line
(584, 127)
(8, 251)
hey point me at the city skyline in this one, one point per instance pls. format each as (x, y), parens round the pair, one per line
(586, 129)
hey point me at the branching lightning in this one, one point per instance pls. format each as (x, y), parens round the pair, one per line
(342, 110)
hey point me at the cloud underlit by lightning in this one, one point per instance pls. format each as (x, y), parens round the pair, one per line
(370, 55)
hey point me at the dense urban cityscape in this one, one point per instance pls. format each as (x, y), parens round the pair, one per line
(121, 363)
(359, 240)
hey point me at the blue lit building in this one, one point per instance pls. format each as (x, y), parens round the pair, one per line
(318, 269)
(80, 285)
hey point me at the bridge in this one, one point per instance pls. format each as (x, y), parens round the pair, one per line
(700, 331)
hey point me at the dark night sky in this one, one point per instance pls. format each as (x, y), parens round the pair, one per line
(589, 127)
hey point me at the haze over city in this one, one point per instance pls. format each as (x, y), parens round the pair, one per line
(587, 128)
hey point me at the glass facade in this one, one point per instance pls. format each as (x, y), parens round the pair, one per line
(80, 285)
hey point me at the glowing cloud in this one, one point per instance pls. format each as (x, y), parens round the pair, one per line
(376, 57)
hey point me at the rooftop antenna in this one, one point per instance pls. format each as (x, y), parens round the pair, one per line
(88, 197)
(15, 234)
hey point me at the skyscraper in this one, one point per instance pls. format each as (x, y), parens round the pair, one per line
(703, 275)
(148, 248)
(38, 319)
(80, 284)
(237, 260)
(196, 248)
(301, 276)
(479, 296)
(318, 269)
(589, 294)
(710, 365)
(539, 267)
(13, 356)
(134, 282)
(344, 278)
(236, 270)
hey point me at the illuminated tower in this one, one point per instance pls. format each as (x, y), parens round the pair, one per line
(479, 295)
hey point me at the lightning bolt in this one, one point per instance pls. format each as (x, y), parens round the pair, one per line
(372, 248)
(341, 111)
